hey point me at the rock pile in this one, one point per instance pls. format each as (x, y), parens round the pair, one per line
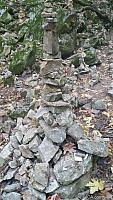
(48, 152)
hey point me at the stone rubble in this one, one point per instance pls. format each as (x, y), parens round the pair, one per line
(33, 162)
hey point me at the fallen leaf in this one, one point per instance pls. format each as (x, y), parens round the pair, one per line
(69, 147)
(96, 185)
(54, 197)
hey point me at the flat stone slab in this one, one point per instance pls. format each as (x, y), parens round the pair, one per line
(69, 168)
(97, 147)
(52, 184)
(57, 135)
(40, 176)
(75, 131)
(29, 135)
(47, 149)
(12, 196)
(70, 191)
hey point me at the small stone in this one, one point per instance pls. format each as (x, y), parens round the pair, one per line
(19, 136)
(6, 151)
(28, 196)
(40, 112)
(34, 143)
(12, 196)
(52, 184)
(99, 105)
(11, 188)
(66, 97)
(29, 135)
(47, 149)
(2, 162)
(25, 151)
(57, 156)
(75, 131)
(31, 114)
(23, 180)
(10, 174)
(16, 153)
(22, 170)
(13, 164)
(57, 135)
(65, 118)
(48, 118)
(52, 96)
(14, 141)
(39, 176)
(32, 194)
(97, 147)
(110, 92)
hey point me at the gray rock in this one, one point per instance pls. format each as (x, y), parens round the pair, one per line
(25, 151)
(27, 195)
(2, 162)
(110, 92)
(13, 187)
(29, 135)
(75, 131)
(10, 174)
(99, 105)
(13, 164)
(31, 114)
(7, 126)
(22, 170)
(11, 196)
(32, 194)
(48, 118)
(6, 151)
(65, 118)
(39, 176)
(34, 143)
(69, 168)
(57, 104)
(70, 191)
(52, 184)
(97, 147)
(19, 136)
(52, 96)
(47, 149)
(57, 156)
(66, 97)
(14, 141)
(57, 135)
(40, 112)
(16, 153)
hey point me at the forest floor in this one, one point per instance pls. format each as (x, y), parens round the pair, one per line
(102, 122)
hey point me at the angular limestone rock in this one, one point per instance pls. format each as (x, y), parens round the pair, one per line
(29, 135)
(57, 135)
(39, 176)
(97, 147)
(47, 149)
(75, 131)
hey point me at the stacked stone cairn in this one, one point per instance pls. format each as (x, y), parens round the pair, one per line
(53, 156)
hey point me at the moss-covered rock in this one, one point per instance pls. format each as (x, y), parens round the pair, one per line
(91, 57)
(5, 17)
(9, 81)
(67, 46)
(22, 60)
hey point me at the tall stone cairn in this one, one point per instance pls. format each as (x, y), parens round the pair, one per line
(68, 173)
